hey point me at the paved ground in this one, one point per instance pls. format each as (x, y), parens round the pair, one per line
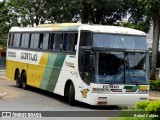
(34, 99)
(38, 100)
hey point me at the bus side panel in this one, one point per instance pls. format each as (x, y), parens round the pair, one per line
(69, 72)
(12, 66)
(35, 72)
(52, 71)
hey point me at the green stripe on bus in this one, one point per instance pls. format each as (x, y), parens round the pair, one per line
(48, 70)
(55, 72)
(131, 87)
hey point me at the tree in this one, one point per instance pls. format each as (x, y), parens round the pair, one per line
(63, 11)
(28, 11)
(3, 25)
(136, 17)
(152, 10)
(107, 12)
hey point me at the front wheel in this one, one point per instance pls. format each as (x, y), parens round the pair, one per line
(24, 81)
(71, 95)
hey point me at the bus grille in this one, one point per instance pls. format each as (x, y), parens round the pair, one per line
(130, 90)
(116, 90)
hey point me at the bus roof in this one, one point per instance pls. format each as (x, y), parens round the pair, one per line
(79, 26)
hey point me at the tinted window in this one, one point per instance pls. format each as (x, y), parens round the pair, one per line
(119, 41)
(86, 39)
(45, 41)
(52, 41)
(18, 38)
(34, 41)
(40, 41)
(25, 40)
(71, 42)
(14, 40)
(58, 42)
(10, 39)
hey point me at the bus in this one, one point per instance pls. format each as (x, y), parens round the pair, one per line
(94, 64)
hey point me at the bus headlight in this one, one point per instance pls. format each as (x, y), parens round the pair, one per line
(100, 90)
(143, 91)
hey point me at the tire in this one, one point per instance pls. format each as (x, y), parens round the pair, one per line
(18, 80)
(24, 81)
(71, 95)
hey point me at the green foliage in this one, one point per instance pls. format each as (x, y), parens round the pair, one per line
(102, 11)
(153, 107)
(3, 25)
(142, 105)
(155, 85)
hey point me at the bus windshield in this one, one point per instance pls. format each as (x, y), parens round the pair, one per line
(119, 41)
(121, 67)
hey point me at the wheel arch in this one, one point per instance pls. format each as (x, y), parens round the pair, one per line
(67, 86)
(16, 71)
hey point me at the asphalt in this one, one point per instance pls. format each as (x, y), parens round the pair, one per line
(153, 95)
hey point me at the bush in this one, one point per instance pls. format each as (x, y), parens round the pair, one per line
(153, 107)
(142, 105)
(155, 85)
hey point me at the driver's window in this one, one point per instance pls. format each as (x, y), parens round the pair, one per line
(86, 68)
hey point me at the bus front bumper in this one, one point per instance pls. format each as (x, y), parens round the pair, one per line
(117, 99)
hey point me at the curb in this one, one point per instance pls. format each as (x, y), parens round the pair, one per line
(153, 98)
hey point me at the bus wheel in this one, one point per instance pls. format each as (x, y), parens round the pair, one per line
(24, 81)
(18, 80)
(71, 95)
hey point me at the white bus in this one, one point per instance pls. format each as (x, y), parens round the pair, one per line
(94, 64)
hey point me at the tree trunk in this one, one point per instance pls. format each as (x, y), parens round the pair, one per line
(156, 32)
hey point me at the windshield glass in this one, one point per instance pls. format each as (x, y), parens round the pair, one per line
(121, 67)
(135, 68)
(119, 41)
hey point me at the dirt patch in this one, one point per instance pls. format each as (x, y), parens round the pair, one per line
(3, 93)
(4, 78)
(8, 86)
(154, 94)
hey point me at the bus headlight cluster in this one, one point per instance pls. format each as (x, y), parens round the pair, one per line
(100, 90)
(143, 91)
(102, 98)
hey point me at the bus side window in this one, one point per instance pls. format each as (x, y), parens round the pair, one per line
(18, 38)
(70, 42)
(58, 42)
(10, 39)
(27, 39)
(65, 42)
(45, 41)
(23, 40)
(34, 41)
(40, 45)
(52, 41)
(14, 40)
